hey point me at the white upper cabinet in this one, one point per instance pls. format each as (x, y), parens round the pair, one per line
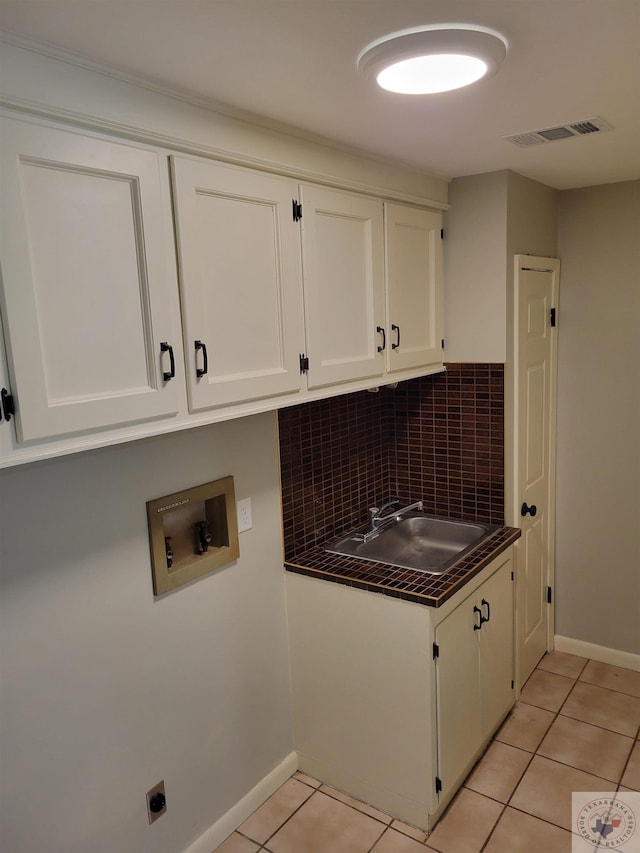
(343, 262)
(90, 300)
(414, 287)
(241, 282)
(282, 292)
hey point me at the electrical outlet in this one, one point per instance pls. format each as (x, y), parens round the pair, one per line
(243, 510)
(156, 802)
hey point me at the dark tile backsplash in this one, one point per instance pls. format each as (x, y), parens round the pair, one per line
(439, 439)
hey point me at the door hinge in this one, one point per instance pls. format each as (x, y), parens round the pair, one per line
(8, 405)
(304, 363)
(297, 210)
(438, 784)
(552, 317)
(436, 651)
(549, 595)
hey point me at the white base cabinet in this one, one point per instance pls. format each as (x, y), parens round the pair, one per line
(474, 674)
(379, 718)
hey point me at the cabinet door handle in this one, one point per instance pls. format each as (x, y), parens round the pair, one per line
(477, 626)
(7, 406)
(531, 510)
(201, 371)
(384, 338)
(485, 603)
(396, 329)
(168, 374)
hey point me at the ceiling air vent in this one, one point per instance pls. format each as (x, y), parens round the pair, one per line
(595, 124)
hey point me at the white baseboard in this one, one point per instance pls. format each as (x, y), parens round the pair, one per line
(628, 660)
(231, 820)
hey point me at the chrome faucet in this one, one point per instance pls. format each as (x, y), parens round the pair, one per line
(376, 516)
(378, 520)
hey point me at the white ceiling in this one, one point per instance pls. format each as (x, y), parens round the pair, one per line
(293, 61)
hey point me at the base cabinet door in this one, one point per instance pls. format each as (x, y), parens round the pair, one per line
(414, 287)
(474, 674)
(343, 260)
(458, 694)
(496, 645)
(240, 282)
(90, 303)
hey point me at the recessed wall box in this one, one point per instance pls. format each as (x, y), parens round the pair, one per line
(192, 533)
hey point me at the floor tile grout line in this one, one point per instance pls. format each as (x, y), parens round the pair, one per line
(543, 820)
(626, 765)
(579, 769)
(297, 809)
(355, 807)
(596, 726)
(520, 778)
(493, 828)
(385, 828)
(378, 840)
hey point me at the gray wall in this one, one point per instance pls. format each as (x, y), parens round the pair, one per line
(106, 690)
(492, 217)
(598, 485)
(474, 257)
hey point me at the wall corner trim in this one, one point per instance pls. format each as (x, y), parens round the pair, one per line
(615, 657)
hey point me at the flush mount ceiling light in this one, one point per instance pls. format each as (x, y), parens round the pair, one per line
(436, 58)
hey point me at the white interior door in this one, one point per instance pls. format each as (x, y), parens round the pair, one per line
(536, 288)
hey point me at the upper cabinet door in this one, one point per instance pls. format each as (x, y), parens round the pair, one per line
(240, 279)
(90, 297)
(343, 260)
(414, 287)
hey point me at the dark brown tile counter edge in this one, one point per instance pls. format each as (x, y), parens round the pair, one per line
(410, 585)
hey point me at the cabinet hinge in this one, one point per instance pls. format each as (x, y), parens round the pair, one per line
(438, 785)
(8, 405)
(442, 233)
(297, 210)
(513, 684)
(513, 576)
(442, 343)
(549, 595)
(436, 651)
(304, 363)
(552, 317)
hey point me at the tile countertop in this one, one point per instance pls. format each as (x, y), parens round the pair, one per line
(408, 584)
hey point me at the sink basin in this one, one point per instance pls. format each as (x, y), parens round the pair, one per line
(426, 543)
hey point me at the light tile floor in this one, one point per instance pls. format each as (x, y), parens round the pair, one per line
(575, 727)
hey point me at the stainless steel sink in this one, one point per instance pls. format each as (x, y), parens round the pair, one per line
(426, 543)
